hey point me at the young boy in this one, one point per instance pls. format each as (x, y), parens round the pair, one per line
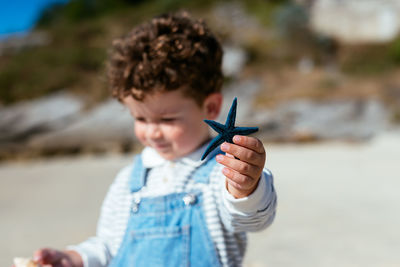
(169, 208)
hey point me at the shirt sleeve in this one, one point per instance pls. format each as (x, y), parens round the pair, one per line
(98, 251)
(252, 213)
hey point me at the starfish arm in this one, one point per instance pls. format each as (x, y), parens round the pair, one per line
(213, 144)
(245, 130)
(227, 136)
(218, 127)
(230, 120)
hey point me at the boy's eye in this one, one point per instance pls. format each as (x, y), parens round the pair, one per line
(140, 119)
(168, 119)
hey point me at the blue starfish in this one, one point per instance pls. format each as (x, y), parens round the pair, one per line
(227, 131)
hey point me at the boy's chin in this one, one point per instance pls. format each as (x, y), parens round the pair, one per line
(168, 156)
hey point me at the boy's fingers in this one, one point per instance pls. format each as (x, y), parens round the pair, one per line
(239, 166)
(249, 142)
(237, 180)
(47, 255)
(244, 154)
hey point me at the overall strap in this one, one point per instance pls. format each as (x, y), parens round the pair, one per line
(202, 174)
(138, 175)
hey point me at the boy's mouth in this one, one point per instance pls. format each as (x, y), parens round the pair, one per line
(161, 146)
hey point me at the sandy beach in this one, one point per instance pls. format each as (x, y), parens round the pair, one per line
(338, 204)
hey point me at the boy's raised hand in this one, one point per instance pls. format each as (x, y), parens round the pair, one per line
(244, 162)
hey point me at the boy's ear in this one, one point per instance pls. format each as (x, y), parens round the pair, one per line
(212, 105)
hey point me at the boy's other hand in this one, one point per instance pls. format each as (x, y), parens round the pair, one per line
(56, 258)
(244, 162)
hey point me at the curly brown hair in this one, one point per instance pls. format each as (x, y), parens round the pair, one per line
(172, 51)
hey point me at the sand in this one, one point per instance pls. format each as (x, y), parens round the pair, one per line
(338, 204)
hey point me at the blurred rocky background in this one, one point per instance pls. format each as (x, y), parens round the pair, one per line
(321, 78)
(303, 71)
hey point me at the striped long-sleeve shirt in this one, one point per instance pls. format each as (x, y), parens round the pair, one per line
(228, 219)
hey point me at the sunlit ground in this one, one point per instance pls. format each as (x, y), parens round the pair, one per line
(338, 204)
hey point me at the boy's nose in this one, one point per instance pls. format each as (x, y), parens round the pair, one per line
(153, 131)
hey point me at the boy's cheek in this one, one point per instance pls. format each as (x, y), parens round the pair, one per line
(140, 133)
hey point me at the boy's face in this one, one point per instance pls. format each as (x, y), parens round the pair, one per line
(171, 123)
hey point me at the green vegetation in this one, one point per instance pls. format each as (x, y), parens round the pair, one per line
(370, 59)
(81, 32)
(265, 11)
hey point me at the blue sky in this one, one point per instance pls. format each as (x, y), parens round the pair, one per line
(19, 16)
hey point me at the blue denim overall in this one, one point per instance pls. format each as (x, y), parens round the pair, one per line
(169, 230)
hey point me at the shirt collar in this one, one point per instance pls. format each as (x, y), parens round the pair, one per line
(152, 159)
